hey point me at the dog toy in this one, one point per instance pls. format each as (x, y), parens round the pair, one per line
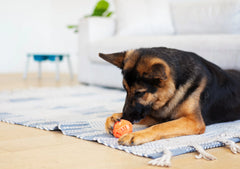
(122, 127)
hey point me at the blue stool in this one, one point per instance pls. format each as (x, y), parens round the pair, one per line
(44, 57)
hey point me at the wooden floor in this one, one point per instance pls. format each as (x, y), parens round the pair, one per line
(29, 148)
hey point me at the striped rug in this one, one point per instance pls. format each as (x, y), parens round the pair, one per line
(81, 112)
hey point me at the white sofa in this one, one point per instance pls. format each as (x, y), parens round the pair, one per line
(210, 28)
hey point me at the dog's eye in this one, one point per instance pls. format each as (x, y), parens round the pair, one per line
(139, 93)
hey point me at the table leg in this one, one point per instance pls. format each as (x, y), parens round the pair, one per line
(39, 70)
(70, 67)
(57, 68)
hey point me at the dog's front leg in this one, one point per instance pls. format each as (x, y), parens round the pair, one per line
(148, 121)
(111, 121)
(178, 127)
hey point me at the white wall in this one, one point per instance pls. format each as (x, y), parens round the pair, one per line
(39, 26)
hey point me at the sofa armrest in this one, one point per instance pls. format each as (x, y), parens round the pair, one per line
(95, 28)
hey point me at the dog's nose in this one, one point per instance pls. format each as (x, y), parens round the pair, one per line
(133, 113)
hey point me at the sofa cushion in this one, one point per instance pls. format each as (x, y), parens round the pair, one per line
(206, 16)
(221, 49)
(143, 17)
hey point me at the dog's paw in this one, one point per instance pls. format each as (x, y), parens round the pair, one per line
(111, 121)
(132, 139)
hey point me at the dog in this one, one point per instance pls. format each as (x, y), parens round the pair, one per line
(173, 92)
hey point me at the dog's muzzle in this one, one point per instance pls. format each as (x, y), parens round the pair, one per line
(135, 113)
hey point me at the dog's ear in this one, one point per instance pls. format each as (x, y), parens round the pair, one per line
(157, 71)
(114, 58)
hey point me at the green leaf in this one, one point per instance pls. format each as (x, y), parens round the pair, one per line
(72, 26)
(75, 27)
(100, 8)
(109, 14)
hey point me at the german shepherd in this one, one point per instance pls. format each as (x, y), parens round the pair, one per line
(173, 92)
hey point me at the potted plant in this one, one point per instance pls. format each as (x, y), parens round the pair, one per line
(100, 10)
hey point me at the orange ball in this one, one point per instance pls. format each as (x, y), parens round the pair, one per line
(122, 127)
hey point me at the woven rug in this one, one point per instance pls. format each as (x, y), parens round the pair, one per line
(81, 112)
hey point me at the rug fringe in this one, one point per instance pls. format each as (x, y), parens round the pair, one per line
(203, 153)
(164, 161)
(231, 144)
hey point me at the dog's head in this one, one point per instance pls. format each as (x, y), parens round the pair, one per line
(147, 80)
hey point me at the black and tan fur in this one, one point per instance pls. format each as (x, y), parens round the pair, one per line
(174, 92)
